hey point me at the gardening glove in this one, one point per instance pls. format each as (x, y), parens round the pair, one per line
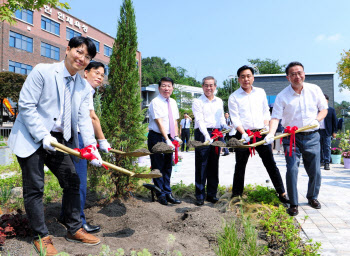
(314, 122)
(232, 132)
(97, 162)
(225, 127)
(170, 144)
(267, 128)
(178, 139)
(47, 143)
(245, 136)
(269, 139)
(104, 145)
(207, 138)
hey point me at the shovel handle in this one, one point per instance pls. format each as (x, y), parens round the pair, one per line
(117, 151)
(77, 154)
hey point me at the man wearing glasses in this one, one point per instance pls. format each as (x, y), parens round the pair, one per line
(53, 104)
(94, 75)
(300, 104)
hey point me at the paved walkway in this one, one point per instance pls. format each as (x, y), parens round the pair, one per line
(329, 225)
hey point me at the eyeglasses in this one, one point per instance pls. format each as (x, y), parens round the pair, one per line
(300, 73)
(208, 85)
(80, 54)
(98, 73)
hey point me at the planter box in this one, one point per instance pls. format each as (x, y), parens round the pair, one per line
(336, 159)
(5, 155)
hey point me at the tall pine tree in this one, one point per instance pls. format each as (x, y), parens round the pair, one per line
(122, 116)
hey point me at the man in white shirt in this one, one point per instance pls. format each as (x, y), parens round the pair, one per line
(94, 75)
(208, 111)
(163, 127)
(300, 104)
(185, 125)
(228, 136)
(249, 111)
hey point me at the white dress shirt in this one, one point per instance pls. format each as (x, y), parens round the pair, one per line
(208, 114)
(299, 109)
(188, 123)
(91, 100)
(158, 108)
(249, 109)
(58, 127)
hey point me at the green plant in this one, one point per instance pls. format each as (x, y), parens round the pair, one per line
(5, 193)
(346, 154)
(344, 138)
(13, 167)
(336, 151)
(52, 188)
(261, 194)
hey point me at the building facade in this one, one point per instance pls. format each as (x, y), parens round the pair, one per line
(42, 37)
(275, 83)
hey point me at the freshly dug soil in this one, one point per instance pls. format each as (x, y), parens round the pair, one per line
(161, 147)
(233, 142)
(218, 144)
(135, 224)
(142, 150)
(195, 143)
(155, 171)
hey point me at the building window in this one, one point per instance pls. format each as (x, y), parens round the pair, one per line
(70, 33)
(19, 68)
(50, 25)
(97, 44)
(106, 70)
(197, 95)
(25, 15)
(108, 50)
(50, 51)
(21, 42)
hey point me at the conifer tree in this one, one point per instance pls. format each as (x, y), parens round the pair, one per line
(122, 116)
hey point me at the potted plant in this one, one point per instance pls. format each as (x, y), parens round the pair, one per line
(346, 159)
(336, 155)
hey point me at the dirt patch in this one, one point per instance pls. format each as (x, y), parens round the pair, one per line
(142, 150)
(137, 223)
(233, 142)
(195, 144)
(161, 147)
(218, 144)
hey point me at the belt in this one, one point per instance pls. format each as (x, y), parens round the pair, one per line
(185, 128)
(307, 133)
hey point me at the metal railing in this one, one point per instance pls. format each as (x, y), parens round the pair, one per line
(5, 133)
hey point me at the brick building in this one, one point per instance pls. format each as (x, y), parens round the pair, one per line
(42, 37)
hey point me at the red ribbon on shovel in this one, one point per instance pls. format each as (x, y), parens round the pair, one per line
(86, 153)
(176, 145)
(216, 135)
(256, 134)
(291, 130)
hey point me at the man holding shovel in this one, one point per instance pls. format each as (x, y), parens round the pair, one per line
(94, 75)
(249, 114)
(208, 111)
(53, 103)
(300, 104)
(163, 127)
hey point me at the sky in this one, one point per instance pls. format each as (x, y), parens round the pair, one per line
(208, 37)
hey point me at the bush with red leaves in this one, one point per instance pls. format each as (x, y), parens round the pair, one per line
(12, 225)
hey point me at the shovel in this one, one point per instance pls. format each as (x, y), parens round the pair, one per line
(134, 153)
(70, 151)
(277, 137)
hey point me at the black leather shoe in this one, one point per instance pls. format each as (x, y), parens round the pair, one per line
(293, 210)
(326, 167)
(212, 199)
(284, 199)
(90, 228)
(199, 202)
(162, 200)
(171, 199)
(314, 203)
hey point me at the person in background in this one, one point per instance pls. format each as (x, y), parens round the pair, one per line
(328, 129)
(227, 136)
(185, 125)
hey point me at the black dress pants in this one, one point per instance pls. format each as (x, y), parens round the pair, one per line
(33, 177)
(207, 168)
(162, 162)
(185, 136)
(265, 153)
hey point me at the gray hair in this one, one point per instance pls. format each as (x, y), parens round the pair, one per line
(209, 78)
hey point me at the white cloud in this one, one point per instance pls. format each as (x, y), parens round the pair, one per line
(330, 38)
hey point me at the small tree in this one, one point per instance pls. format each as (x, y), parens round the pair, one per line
(8, 8)
(11, 85)
(121, 106)
(229, 86)
(268, 66)
(343, 69)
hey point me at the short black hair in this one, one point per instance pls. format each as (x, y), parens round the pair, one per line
(166, 79)
(209, 78)
(80, 40)
(327, 97)
(292, 64)
(94, 65)
(244, 68)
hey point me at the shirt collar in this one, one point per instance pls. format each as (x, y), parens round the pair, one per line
(162, 98)
(291, 90)
(66, 73)
(92, 90)
(206, 99)
(240, 90)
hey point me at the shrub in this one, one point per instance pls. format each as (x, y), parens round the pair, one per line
(336, 151)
